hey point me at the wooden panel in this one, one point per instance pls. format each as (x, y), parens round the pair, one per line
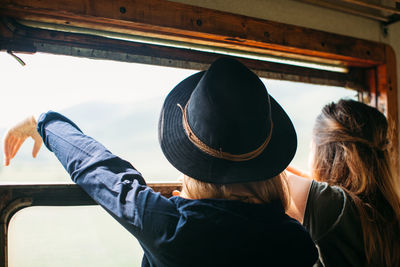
(388, 88)
(175, 21)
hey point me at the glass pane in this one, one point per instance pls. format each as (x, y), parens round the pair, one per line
(118, 104)
(70, 236)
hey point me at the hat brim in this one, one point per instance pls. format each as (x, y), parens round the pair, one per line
(193, 162)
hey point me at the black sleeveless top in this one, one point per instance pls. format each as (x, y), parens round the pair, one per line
(334, 224)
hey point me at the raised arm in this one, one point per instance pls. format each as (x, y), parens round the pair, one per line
(111, 181)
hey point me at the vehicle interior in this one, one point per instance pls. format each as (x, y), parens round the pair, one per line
(333, 49)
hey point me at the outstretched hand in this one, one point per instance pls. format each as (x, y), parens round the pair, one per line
(298, 172)
(15, 137)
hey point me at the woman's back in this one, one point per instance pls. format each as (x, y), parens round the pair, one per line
(356, 217)
(334, 224)
(215, 232)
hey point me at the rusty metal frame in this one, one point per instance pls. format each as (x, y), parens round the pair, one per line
(368, 9)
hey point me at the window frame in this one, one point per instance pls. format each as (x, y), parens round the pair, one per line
(13, 198)
(371, 65)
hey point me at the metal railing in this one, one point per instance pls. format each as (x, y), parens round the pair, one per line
(16, 197)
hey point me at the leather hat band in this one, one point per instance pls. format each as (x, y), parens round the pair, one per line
(219, 153)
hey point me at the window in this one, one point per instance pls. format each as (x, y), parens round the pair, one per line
(118, 104)
(365, 60)
(115, 102)
(70, 236)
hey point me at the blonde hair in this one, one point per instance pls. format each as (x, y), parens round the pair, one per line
(352, 150)
(263, 191)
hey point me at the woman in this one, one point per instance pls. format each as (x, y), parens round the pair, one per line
(352, 210)
(232, 142)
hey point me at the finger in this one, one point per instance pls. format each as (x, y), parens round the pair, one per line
(7, 149)
(176, 193)
(7, 145)
(10, 143)
(297, 172)
(36, 147)
(293, 170)
(16, 147)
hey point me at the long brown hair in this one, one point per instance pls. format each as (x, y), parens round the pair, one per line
(252, 192)
(352, 150)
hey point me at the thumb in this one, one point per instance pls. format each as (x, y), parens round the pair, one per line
(36, 146)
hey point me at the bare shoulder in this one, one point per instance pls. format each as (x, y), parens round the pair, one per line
(299, 188)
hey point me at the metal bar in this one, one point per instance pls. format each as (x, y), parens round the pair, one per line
(392, 19)
(5, 218)
(16, 197)
(374, 6)
(345, 9)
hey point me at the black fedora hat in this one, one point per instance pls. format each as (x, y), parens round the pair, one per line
(221, 126)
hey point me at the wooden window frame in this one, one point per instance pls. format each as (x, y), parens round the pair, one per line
(371, 65)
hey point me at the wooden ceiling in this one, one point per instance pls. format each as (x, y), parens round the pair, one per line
(385, 11)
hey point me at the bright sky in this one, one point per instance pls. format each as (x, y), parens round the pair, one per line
(46, 82)
(50, 82)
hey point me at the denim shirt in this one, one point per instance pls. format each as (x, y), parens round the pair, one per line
(176, 231)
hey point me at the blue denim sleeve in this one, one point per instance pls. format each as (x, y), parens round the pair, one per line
(111, 181)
